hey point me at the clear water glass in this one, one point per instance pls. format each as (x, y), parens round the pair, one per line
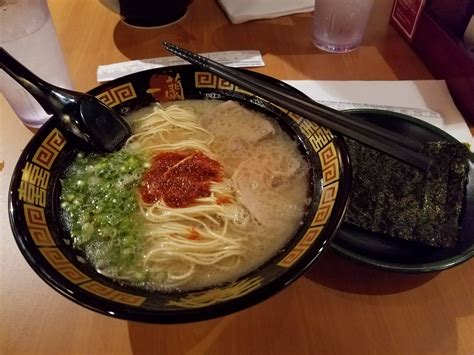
(339, 25)
(28, 34)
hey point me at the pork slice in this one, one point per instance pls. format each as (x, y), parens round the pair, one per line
(260, 131)
(243, 127)
(208, 117)
(286, 172)
(264, 203)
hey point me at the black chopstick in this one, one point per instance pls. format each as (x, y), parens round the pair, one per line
(391, 143)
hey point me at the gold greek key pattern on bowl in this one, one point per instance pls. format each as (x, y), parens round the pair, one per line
(49, 149)
(117, 95)
(321, 139)
(224, 84)
(45, 157)
(55, 140)
(111, 294)
(310, 236)
(36, 223)
(205, 80)
(41, 236)
(210, 81)
(303, 245)
(34, 215)
(217, 295)
(57, 260)
(326, 204)
(329, 163)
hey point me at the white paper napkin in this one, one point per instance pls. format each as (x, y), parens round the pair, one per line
(239, 11)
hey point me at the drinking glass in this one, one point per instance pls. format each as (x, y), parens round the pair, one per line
(339, 25)
(28, 34)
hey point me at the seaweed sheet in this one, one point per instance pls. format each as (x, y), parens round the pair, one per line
(394, 199)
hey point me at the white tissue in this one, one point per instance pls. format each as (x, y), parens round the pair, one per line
(239, 11)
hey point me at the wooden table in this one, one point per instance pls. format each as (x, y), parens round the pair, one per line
(338, 307)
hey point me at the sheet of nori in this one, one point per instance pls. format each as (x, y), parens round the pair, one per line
(363, 205)
(391, 197)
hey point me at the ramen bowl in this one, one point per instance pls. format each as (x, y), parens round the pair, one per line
(46, 243)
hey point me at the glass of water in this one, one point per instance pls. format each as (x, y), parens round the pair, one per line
(339, 25)
(28, 34)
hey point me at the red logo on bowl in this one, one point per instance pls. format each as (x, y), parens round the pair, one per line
(164, 87)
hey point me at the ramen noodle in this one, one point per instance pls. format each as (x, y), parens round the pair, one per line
(202, 193)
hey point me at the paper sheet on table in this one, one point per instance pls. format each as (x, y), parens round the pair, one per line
(236, 59)
(428, 100)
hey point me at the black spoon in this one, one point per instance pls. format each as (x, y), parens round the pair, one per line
(83, 115)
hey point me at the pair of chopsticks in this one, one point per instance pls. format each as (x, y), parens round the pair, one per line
(391, 143)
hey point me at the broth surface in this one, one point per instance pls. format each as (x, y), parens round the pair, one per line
(246, 211)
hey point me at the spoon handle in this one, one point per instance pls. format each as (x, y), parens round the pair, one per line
(45, 93)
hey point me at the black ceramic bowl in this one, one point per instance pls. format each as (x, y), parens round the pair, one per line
(394, 254)
(149, 14)
(46, 243)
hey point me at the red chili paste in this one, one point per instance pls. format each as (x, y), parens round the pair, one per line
(223, 200)
(193, 234)
(178, 179)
